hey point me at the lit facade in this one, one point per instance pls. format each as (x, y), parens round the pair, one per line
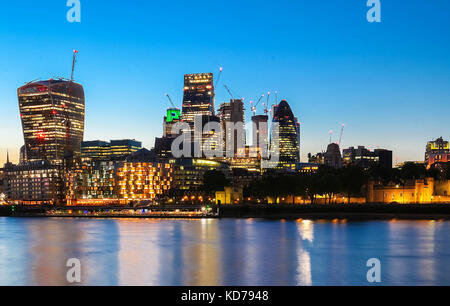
(188, 173)
(198, 97)
(170, 120)
(115, 149)
(143, 181)
(52, 114)
(414, 191)
(288, 135)
(35, 183)
(437, 152)
(91, 179)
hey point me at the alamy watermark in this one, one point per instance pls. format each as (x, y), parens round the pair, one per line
(74, 13)
(73, 275)
(374, 273)
(374, 13)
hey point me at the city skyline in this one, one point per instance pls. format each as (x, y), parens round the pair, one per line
(329, 75)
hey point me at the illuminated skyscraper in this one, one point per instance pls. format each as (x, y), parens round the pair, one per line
(198, 98)
(52, 114)
(286, 139)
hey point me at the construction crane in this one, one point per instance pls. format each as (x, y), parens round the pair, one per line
(266, 105)
(75, 52)
(171, 102)
(218, 78)
(342, 132)
(229, 91)
(331, 135)
(254, 106)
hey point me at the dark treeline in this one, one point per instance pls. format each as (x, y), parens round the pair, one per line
(329, 182)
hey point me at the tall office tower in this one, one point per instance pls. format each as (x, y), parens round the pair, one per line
(198, 98)
(261, 134)
(52, 114)
(437, 152)
(233, 112)
(285, 139)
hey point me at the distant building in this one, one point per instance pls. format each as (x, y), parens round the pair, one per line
(115, 149)
(365, 158)
(288, 137)
(22, 156)
(333, 157)
(261, 135)
(437, 152)
(170, 120)
(319, 158)
(52, 114)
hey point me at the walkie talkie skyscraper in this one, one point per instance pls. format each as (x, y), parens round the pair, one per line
(52, 114)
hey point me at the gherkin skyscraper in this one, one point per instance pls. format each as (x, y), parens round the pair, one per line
(285, 137)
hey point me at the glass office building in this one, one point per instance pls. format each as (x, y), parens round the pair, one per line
(286, 139)
(52, 114)
(198, 97)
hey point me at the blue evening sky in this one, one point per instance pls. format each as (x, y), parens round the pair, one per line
(388, 82)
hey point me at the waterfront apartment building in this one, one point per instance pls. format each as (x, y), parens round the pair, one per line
(138, 178)
(34, 183)
(285, 139)
(437, 152)
(112, 150)
(52, 114)
(143, 181)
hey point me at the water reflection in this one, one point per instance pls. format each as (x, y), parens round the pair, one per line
(222, 252)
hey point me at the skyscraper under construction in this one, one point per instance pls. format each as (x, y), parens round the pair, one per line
(52, 114)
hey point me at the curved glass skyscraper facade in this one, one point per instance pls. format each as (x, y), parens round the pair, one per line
(285, 139)
(52, 114)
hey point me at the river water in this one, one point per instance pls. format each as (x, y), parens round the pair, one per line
(231, 252)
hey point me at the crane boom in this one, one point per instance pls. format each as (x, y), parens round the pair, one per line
(229, 91)
(342, 132)
(75, 52)
(256, 104)
(170, 100)
(266, 106)
(218, 78)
